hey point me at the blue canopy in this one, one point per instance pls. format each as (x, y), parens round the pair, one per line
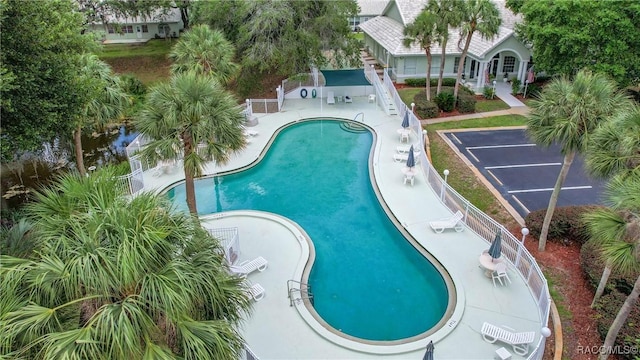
(354, 77)
(428, 354)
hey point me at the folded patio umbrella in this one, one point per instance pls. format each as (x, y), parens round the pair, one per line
(405, 120)
(411, 161)
(495, 250)
(428, 355)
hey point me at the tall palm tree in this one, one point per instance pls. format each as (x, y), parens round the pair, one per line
(617, 230)
(117, 278)
(481, 16)
(567, 112)
(446, 17)
(423, 32)
(204, 51)
(615, 146)
(105, 100)
(191, 117)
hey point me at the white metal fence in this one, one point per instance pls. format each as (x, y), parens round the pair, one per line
(230, 242)
(477, 221)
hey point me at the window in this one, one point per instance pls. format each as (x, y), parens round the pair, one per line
(509, 64)
(145, 28)
(456, 62)
(111, 29)
(410, 66)
(127, 29)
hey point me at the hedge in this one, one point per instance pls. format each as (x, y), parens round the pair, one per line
(422, 82)
(566, 224)
(593, 265)
(607, 308)
(466, 103)
(425, 109)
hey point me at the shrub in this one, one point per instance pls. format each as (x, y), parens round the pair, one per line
(488, 92)
(445, 101)
(425, 109)
(419, 82)
(533, 90)
(132, 85)
(607, 308)
(593, 265)
(466, 103)
(422, 82)
(566, 224)
(515, 86)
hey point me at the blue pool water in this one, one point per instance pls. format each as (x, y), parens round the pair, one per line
(368, 281)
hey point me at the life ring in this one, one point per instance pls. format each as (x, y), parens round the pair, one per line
(314, 93)
(303, 93)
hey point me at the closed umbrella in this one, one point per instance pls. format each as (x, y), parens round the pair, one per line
(405, 121)
(495, 250)
(428, 355)
(411, 161)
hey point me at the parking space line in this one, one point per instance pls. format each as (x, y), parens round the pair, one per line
(495, 177)
(520, 203)
(550, 189)
(456, 138)
(521, 165)
(470, 153)
(499, 146)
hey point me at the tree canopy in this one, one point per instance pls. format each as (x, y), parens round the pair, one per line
(569, 35)
(40, 41)
(117, 278)
(284, 37)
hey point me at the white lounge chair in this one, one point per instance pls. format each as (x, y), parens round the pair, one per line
(248, 132)
(453, 222)
(247, 267)
(257, 292)
(500, 273)
(404, 149)
(348, 99)
(331, 99)
(518, 340)
(404, 157)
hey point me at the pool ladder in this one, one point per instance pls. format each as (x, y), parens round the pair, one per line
(358, 114)
(303, 291)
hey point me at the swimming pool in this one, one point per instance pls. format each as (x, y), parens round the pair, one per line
(368, 281)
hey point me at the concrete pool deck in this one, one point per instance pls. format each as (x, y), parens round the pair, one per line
(278, 331)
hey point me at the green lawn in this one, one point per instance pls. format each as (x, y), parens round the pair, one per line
(407, 95)
(461, 177)
(156, 47)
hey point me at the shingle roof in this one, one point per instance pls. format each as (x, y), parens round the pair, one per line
(389, 33)
(172, 16)
(372, 7)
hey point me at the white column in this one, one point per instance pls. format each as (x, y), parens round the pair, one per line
(522, 71)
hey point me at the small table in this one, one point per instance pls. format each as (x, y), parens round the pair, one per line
(404, 134)
(488, 263)
(339, 97)
(503, 354)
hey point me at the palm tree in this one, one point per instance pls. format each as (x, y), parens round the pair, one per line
(105, 100)
(617, 230)
(423, 32)
(191, 117)
(446, 17)
(117, 278)
(567, 112)
(204, 51)
(615, 146)
(481, 16)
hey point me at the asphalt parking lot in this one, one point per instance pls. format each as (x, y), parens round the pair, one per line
(522, 172)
